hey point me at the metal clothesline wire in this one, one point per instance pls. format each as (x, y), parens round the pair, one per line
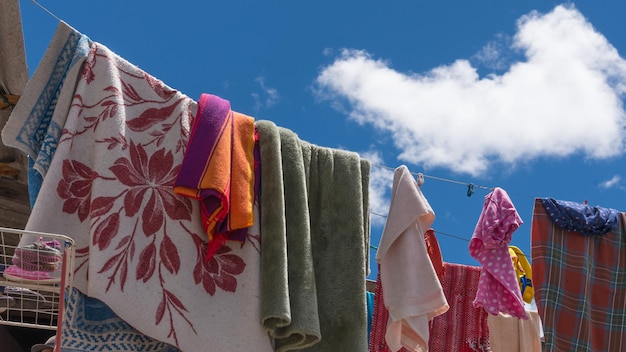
(437, 178)
(440, 233)
(436, 231)
(47, 11)
(470, 186)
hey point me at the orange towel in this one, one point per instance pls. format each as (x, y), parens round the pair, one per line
(218, 169)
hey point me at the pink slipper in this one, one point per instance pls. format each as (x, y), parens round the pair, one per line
(15, 273)
(32, 266)
(40, 252)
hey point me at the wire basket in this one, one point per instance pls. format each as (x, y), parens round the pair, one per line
(36, 271)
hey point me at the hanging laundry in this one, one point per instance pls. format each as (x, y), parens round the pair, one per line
(580, 284)
(140, 247)
(498, 290)
(37, 120)
(411, 291)
(582, 218)
(315, 226)
(289, 306)
(464, 327)
(89, 324)
(511, 334)
(434, 253)
(524, 273)
(380, 317)
(218, 170)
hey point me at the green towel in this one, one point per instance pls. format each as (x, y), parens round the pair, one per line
(338, 181)
(288, 294)
(315, 243)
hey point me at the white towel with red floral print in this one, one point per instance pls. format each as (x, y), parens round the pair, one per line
(140, 247)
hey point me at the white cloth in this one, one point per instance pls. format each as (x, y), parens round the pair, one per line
(140, 247)
(412, 292)
(511, 334)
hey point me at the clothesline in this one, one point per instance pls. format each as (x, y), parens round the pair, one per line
(470, 186)
(419, 174)
(437, 232)
(470, 191)
(47, 11)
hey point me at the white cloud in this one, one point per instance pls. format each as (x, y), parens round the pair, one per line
(381, 180)
(494, 55)
(268, 98)
(565, 97)
(613, 182)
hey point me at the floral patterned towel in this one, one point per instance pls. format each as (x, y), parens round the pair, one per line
(140, 247)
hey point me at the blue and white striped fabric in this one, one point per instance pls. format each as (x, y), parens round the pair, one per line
(36, 123)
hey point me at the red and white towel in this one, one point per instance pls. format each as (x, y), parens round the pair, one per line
(140, 247)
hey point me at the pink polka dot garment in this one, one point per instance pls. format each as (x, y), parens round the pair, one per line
(498, 290)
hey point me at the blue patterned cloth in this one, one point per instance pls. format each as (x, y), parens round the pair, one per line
(34, 182)
(577, 217)
(37, 121)
(90, 325)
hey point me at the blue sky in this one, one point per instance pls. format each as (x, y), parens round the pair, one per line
(526, 95)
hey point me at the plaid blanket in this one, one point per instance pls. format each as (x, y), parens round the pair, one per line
(580, 285)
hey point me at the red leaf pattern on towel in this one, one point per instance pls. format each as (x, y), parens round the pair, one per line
(133, 185)
(151, 117)
(160, 311)
(218, 271)
(106, 230)
(169, 255)
(75, 188)
(102, 205)
(153, 175)
(152, 218)
(147, 263)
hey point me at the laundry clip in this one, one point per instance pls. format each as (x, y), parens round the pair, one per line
(470, 189)
(420, 179)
